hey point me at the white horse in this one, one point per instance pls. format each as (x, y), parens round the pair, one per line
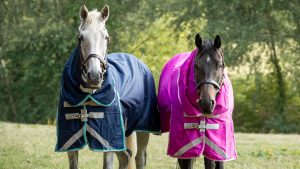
(93, 39)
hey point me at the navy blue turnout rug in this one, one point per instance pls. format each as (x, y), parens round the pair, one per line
(126, 102)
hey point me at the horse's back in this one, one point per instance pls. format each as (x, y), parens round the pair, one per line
(135, 85)
(133, 78)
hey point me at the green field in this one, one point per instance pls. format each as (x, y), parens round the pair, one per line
(31, 147)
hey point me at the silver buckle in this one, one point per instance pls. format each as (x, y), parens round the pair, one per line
(84, 115)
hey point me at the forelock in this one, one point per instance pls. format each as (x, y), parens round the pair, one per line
(209, 48)
(92, 20)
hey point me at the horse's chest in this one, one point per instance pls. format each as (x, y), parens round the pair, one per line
(98, 126)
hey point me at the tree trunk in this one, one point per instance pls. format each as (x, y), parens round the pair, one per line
(281, 100)
(6, 80)
(11, 99)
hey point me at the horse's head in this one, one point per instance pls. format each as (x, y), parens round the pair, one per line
(209, 72)
(93, 39)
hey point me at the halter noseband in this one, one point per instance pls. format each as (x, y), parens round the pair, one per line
(102, 61)
(209, 81)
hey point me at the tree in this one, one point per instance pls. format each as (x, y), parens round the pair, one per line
(270, 28)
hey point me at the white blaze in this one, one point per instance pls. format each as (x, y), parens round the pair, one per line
(207, 59)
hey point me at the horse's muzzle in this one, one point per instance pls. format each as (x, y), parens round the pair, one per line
(94, 78)
(207, 106)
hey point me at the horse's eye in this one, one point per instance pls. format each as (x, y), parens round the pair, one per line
(80, 37)
(107, 38)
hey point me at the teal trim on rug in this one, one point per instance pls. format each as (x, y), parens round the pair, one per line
(57, 136)
(74, 149)
(83, 100)
(84, 128)
(121, 119)
(102, 104)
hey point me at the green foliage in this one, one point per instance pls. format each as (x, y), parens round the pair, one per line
(260, 40)
(262, 36)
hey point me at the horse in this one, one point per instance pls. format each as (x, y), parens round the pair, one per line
(104, 98)
(195, 99)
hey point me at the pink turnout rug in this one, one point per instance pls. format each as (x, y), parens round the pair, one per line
(191, 132)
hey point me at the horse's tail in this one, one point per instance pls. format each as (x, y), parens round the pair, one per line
(131, 143)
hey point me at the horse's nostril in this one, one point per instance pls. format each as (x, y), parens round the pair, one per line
(202, 103)
(94, 77)
(207, 105)
(89, 75)
(212, 104)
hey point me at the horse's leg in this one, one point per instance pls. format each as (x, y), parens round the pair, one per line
(209, 164)
(131, 145)
(73, 159)
(185, 163)
(219, 165)
(108, 160)
(123, 158)
(141, 155)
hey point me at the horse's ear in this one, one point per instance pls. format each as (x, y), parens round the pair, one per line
(104, 13)
(198, 41)
(217, 42)
(83, 12)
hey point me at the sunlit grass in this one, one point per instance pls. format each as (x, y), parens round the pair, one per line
(32, 147)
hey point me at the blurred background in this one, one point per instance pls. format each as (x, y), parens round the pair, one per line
(261, 42)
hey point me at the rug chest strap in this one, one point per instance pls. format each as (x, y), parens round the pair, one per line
(201, 126)
(84, 115)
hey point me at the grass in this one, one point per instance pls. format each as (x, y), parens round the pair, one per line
(32, 147)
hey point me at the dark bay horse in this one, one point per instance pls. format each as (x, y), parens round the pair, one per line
(195, 99)
(104, 98)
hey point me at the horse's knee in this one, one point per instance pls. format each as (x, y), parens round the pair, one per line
(73, 159)
(131, 149)
(123, 158)
(108, 160)
(185, 163)
(140, 159)
(219, 165)
(209, 164)
(141, 155)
